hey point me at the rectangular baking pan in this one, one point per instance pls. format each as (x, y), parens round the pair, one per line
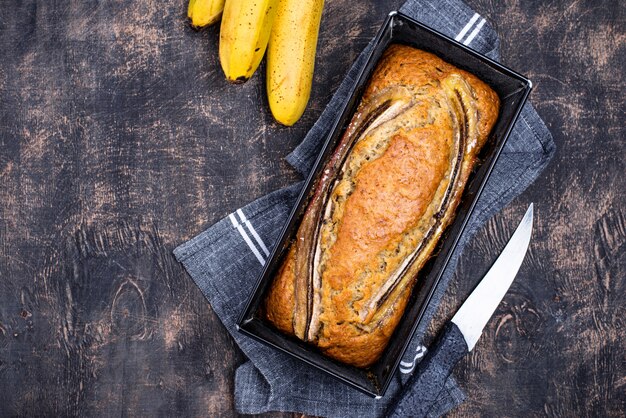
(513, 90)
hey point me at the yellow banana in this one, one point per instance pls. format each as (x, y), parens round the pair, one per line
(244, 33)
(291, 58)
(204, 12)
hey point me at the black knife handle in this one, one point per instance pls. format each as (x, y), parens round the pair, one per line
(424, 386)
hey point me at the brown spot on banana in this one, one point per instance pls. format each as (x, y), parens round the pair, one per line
(202, 13)
(244, 35)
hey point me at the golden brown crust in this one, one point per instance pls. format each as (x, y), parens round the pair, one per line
(386, 201)
(279, 300)
(403, 65)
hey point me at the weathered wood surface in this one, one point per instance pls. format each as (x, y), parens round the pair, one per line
(120, 139)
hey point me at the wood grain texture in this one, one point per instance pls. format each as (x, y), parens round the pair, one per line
(120, 139)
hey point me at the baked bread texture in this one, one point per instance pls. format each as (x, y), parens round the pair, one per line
(388, 192)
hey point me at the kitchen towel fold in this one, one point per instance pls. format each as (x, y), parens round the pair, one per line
(226, 259)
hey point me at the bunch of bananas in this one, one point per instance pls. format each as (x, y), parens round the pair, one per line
(288, 29)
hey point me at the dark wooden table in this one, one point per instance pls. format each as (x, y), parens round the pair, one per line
(120, 139)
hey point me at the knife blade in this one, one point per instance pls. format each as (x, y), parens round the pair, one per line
(461, 333)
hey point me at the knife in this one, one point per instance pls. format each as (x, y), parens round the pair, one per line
(459, 336)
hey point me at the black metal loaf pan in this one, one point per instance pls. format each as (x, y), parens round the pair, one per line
(513, 90)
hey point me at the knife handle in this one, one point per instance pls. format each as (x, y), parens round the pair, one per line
(423, 387)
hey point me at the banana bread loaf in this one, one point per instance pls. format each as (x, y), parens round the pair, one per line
(386, 195)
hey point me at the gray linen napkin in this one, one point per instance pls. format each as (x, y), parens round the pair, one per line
(226, 259)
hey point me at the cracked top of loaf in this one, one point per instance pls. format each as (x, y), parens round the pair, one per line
(386, 195)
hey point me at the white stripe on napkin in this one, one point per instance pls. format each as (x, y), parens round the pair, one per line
(467, 27)
(256, 236)
(472, 35)
(407, 367)
(247, 239)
